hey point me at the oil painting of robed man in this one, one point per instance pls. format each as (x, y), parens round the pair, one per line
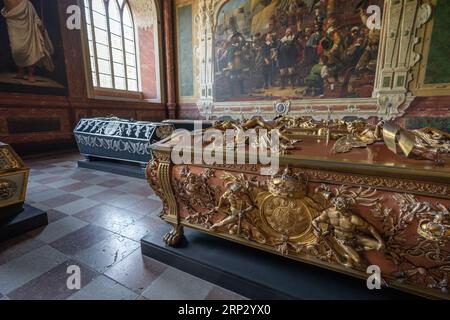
(31, 54)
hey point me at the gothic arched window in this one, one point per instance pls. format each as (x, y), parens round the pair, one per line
(112, 44)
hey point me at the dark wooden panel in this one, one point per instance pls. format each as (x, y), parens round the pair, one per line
(32, 125)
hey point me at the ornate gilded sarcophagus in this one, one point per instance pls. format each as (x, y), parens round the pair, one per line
(119, 139)
(13, 181)
(346, 197)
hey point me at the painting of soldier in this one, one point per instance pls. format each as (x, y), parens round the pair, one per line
(31, 54)
(295, 49)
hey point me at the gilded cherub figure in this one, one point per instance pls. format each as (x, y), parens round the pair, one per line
(238, 206)
(346, 233)
(239, 203)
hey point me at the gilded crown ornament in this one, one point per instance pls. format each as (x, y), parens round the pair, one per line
(436, 224)
(287, 184)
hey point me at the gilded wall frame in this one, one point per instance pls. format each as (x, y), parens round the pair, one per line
(391, 96)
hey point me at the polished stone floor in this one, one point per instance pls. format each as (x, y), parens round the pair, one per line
(96, 220)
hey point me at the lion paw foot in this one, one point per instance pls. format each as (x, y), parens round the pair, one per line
(174, 237)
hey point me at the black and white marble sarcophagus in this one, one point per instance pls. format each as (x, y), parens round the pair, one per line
(119, 139)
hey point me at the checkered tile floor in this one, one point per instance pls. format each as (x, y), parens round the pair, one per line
(96, 220)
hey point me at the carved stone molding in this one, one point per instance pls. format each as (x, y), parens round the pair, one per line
(161, 156)
(144, 12)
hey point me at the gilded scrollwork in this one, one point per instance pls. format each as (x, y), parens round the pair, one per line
(378, 182)
(395, 184)
(434, 220)
(3, 164)
(433, 230)
(13, 178)
(193, 191)
(158, 177)
(151, 173)
(161, 156)
(249, 168)
(430, 250)
(7, 160)
(430, 243)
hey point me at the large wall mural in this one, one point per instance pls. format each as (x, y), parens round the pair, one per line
(31, 48)
(185, 54)
(294, 49)
(438, 63)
